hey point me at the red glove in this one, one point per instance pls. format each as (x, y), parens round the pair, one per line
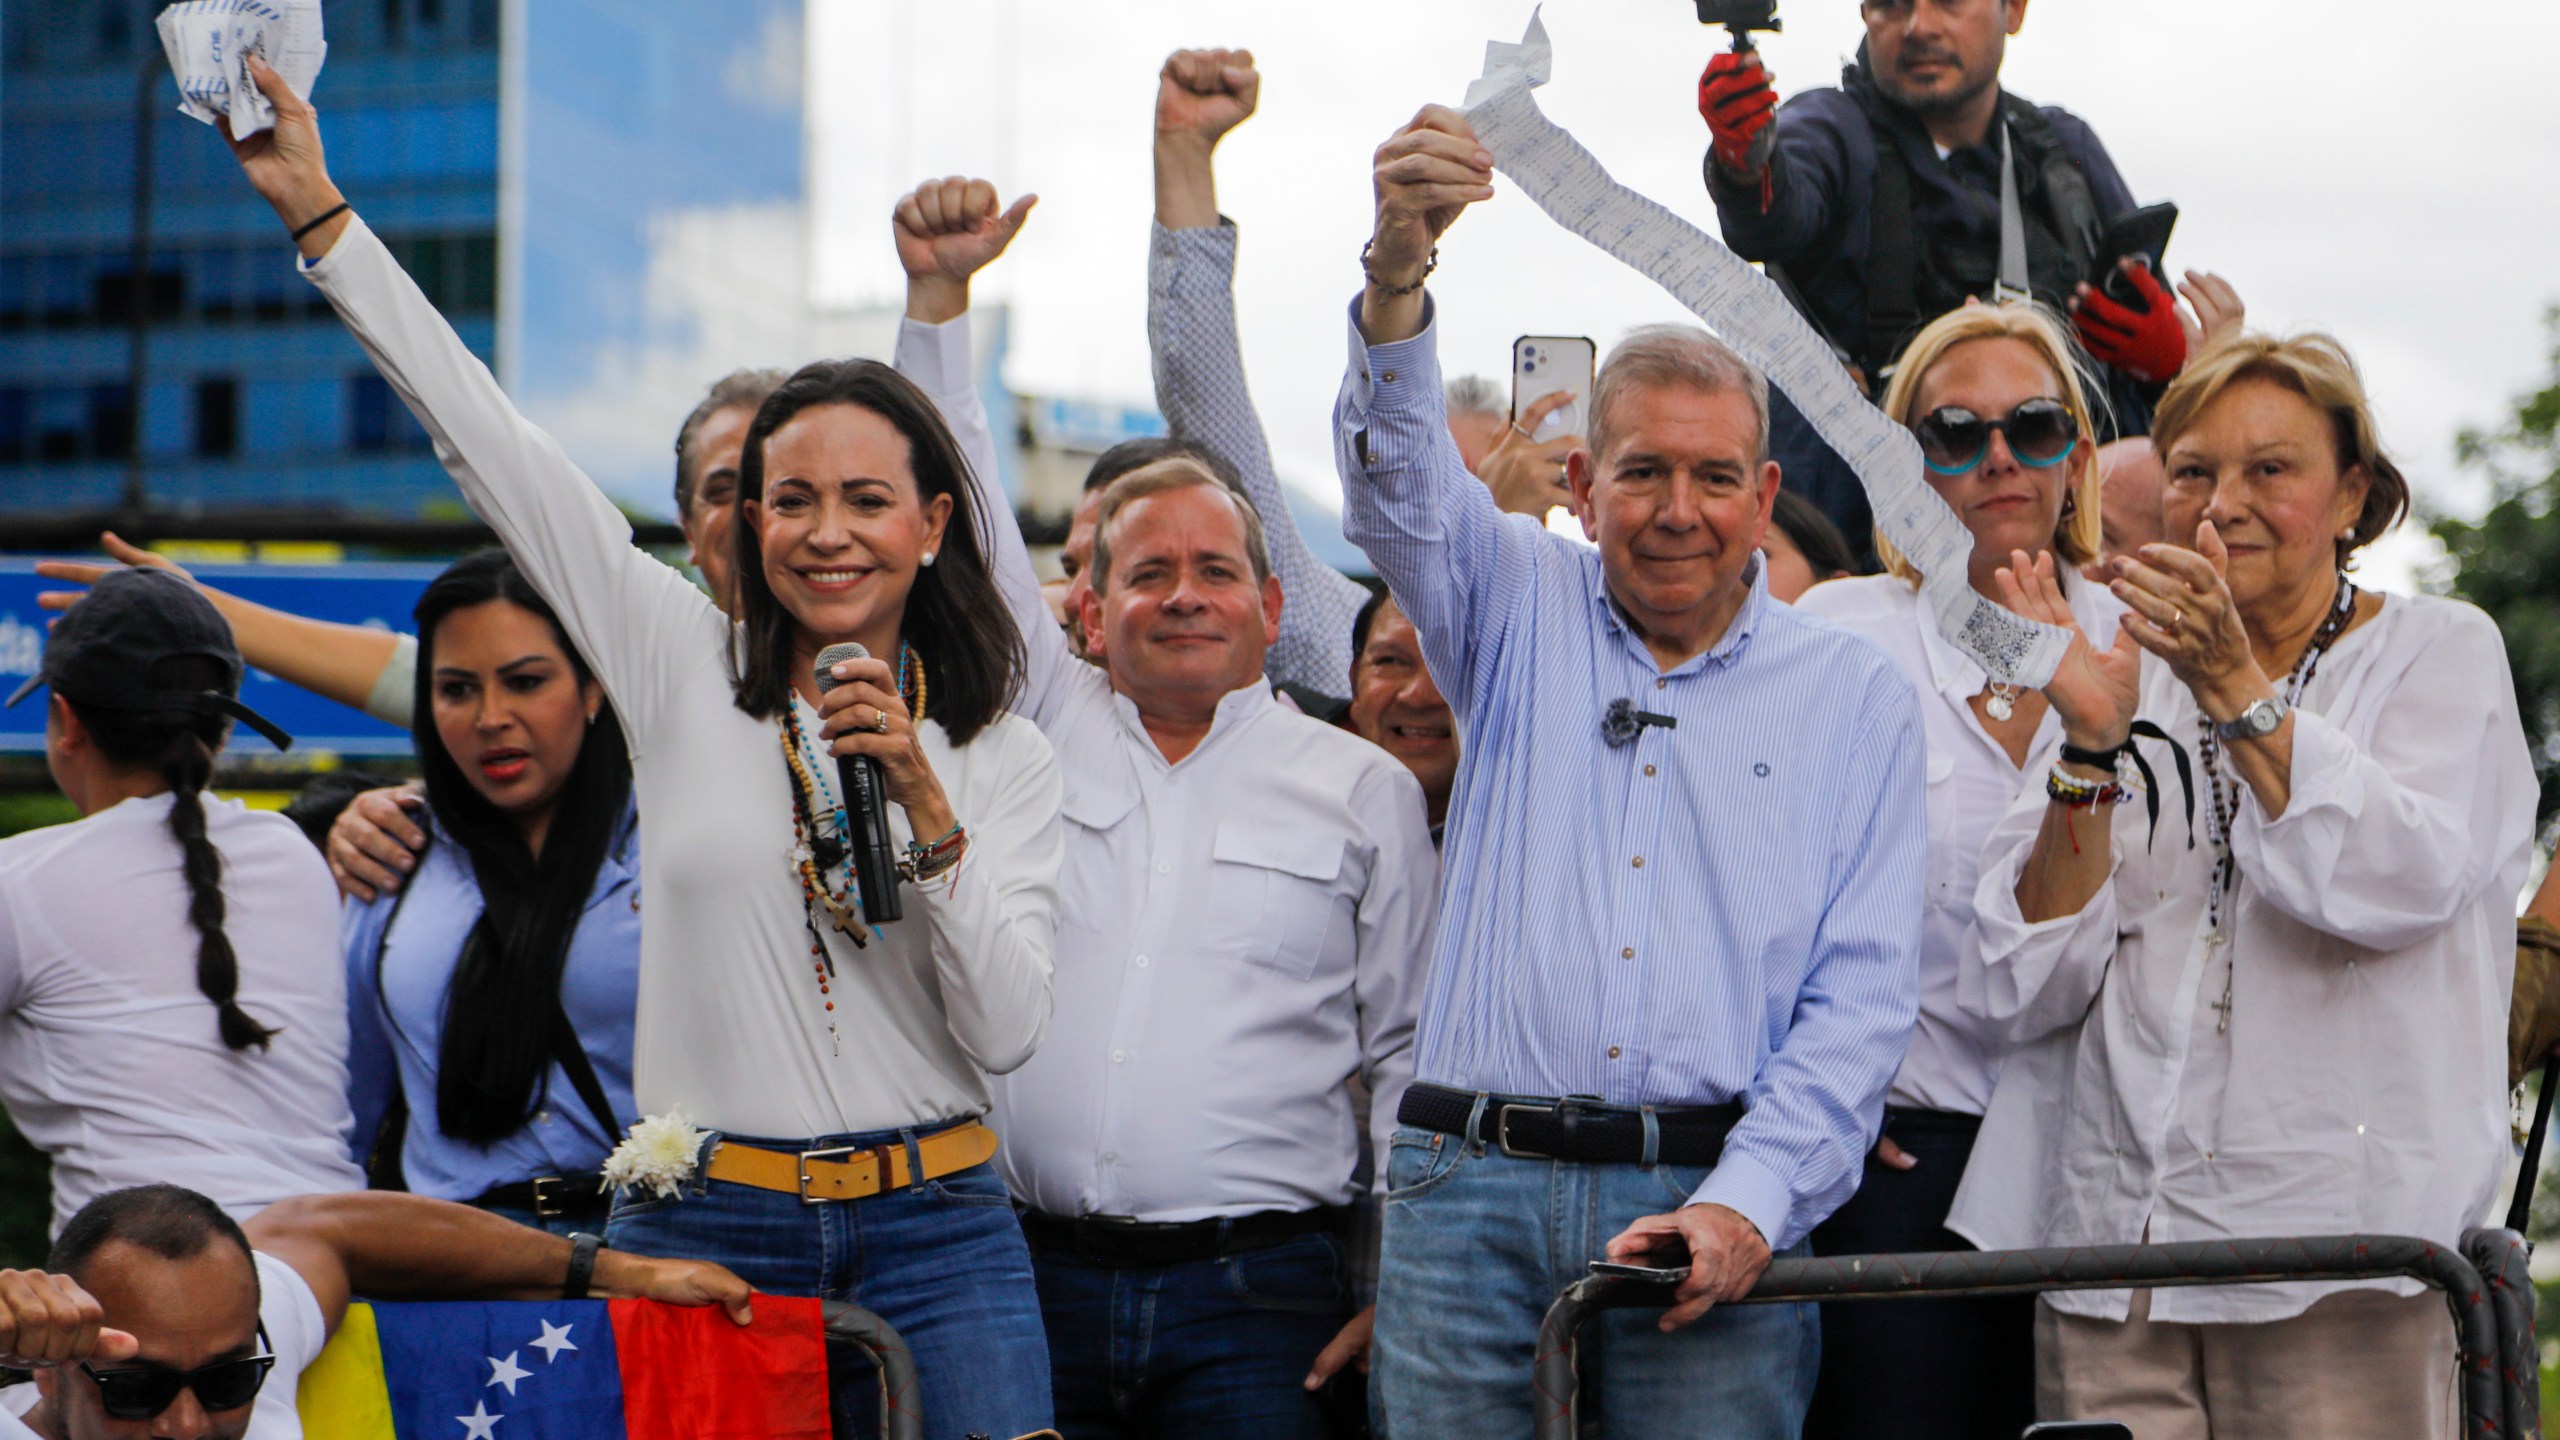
(1738, 102)
(2148, 344)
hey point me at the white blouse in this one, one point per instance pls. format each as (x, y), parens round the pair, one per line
(1954, 1055)
(2361, 1084)
(112, 1061)
(730, 1024)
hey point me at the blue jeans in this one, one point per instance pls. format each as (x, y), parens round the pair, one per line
(1208, 1350)
(1478, 1244)
(944, 1263)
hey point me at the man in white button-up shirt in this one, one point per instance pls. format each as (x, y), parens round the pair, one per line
(1245, 916)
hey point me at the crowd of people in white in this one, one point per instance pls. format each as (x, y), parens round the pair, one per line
(1300, 981)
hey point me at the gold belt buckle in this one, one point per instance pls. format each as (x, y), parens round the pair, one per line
(879, 1155)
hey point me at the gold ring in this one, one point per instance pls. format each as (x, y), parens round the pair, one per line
(880, 724)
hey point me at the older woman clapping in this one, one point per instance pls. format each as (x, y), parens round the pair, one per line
(2293, 1022)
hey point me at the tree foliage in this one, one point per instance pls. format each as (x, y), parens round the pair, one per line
(2509, 559)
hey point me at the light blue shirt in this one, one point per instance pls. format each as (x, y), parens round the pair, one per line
(1728, 910)
(395, 1019)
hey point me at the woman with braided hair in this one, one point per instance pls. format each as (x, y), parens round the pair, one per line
(172, 1006)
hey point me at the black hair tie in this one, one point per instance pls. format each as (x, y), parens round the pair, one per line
(2106, 760)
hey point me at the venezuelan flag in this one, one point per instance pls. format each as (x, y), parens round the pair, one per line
(570, 1370)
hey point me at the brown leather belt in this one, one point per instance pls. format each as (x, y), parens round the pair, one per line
(851, 1172)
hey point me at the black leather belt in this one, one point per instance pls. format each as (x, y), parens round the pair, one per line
(1577, 1127)
(1902, 1120)
(551, 1196)
(1109, 1240)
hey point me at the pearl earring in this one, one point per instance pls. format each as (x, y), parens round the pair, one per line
(927, 558)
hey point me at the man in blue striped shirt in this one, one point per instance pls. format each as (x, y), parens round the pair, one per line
(1681, 908)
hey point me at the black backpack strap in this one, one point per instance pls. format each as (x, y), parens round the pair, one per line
(2063, 197)
(582, 1076)
(1893, 259)
(2522, 1209)
(382, 1168)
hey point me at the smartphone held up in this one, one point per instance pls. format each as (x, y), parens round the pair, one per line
(1544, 365)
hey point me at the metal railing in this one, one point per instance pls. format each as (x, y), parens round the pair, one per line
(2485, 1284)
(901, 1405)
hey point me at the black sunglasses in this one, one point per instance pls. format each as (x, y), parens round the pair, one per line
(138, 1392)
(2041, 432)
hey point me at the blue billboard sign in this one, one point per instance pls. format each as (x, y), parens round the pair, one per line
(379, 596)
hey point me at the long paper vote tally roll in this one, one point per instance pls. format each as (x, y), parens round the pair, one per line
(1748, 311)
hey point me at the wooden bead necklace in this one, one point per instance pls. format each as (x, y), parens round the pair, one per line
(818, 826)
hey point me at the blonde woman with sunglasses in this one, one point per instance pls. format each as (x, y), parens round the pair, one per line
(2002, 419)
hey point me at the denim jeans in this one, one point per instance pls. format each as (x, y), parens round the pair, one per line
(1207, 1350)
(1478, 1244)
(944, 1263)
(1919, 1369)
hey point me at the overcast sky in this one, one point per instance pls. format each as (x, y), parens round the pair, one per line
(2390, 172)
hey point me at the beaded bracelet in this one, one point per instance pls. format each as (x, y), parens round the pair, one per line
(1392, 292)
(2066, 789)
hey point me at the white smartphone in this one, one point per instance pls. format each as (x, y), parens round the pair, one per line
(1541, 365)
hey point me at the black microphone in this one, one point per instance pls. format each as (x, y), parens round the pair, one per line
(866, 814)
(1623, 722)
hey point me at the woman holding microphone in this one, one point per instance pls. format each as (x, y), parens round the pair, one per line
(835, 1059)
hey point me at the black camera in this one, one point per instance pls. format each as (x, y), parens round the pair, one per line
(1741, 17)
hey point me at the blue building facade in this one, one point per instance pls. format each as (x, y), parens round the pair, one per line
(523, 157)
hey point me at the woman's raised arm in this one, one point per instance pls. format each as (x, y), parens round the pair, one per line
(620, 606)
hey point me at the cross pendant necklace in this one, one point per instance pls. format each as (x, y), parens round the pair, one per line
(2221, 897)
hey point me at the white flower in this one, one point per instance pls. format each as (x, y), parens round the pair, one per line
(659, 1156)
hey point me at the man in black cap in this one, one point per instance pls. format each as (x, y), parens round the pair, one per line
(172, 999)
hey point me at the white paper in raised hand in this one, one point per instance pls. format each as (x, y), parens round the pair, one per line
(1742, 306)
(194, 51)
(209, 41)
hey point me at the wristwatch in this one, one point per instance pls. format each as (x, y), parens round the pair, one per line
(2255, 723)
(582, 1265)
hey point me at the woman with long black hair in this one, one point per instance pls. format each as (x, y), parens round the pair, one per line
(836, 1060)
(170, 1000)
(490, 998)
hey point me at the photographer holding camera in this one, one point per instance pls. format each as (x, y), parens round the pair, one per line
(1916, 184)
